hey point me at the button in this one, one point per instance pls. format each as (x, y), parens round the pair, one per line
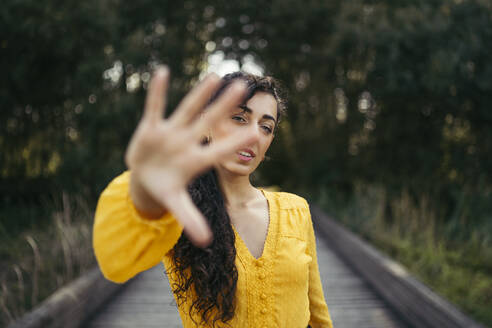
(259, 264)
(262, 276)
(263, 296)
(263, 311)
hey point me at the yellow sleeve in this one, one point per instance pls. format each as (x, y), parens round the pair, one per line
(320, 316)
(125, 241)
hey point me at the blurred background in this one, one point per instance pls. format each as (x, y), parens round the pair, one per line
(389, 123)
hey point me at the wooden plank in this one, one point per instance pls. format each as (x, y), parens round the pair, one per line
(350, 300)
(411, 299)
(146, 302)
(70, 306)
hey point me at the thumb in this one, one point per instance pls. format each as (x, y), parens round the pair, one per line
(194, 223)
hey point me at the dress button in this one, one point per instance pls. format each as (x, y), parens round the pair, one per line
(262, 276)
(259, 264)
(263, 311)
(263, 296)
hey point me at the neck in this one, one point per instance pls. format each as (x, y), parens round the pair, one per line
(237, 189)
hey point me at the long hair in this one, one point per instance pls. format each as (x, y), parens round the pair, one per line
(211, 272)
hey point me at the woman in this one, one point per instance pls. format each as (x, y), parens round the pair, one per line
(235, 255)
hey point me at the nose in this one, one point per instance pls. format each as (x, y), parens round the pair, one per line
(254, 130)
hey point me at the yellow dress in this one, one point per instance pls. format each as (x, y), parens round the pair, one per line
(281, 289)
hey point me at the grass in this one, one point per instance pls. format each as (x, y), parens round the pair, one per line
(38, 261)
(453, 257)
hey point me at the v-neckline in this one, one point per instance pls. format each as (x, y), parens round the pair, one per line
(241, 245)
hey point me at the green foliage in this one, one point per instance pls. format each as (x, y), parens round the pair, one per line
(386, 92)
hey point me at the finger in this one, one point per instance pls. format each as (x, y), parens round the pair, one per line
(231, 98)
(217, 150)
(195, 100)
(193, 221)
(156, 95)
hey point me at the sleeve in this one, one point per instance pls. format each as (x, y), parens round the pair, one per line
(320, 316)
(125, 241)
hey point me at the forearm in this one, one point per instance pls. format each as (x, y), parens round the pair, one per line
(320, 315)
(125, 242)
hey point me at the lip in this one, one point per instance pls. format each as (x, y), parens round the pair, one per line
(249, 151)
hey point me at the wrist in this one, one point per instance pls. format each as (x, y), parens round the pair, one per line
(144, 203)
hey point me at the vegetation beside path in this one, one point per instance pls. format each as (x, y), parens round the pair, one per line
(455, 263)
(40, 260)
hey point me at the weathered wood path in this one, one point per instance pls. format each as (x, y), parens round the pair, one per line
(147, 301)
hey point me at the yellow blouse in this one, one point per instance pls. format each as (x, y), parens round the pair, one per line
(282, 288)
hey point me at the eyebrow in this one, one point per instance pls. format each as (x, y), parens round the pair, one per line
(249, 110)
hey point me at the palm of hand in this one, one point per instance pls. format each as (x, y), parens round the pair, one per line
(164, 155)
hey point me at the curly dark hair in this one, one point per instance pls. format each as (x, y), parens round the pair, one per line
(212, 271)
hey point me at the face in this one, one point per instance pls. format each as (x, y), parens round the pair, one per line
(258, 117)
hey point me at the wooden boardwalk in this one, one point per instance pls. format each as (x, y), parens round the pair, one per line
(147, 301)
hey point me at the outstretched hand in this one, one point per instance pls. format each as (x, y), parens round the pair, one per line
(164, 155)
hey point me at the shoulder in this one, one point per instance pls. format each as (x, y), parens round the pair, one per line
(296, 217)
(287, 200)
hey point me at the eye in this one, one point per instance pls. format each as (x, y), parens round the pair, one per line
(239, 118)
(267, 128)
